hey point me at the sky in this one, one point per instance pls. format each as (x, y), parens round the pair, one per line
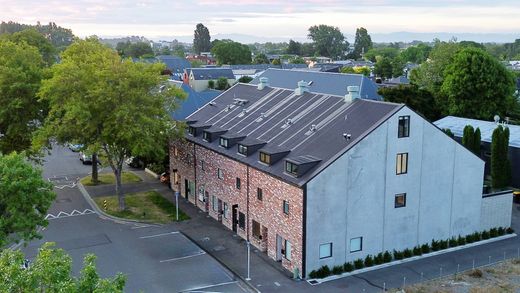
(156, 19)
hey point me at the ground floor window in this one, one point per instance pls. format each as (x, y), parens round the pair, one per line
(226, 210)
(201, 194)
(400, 200)
(287, 249)
(214, 203)
(356, 244)
(242, 221)
(325, 250)
(256, 230)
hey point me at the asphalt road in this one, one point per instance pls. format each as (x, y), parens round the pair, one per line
(154, 258)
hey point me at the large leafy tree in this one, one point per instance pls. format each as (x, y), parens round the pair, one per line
(477, 86)
(328, 40)
(374, 53)
(383, 68)
(362, 43)
(118, 107)
(201, 39)
(21, 68)
(34, 38)
(24, 199)
(294, 48)
(134, 50)
(418, 99)
(51, 271)
(260, 59)
(416, 54)
(230, 52)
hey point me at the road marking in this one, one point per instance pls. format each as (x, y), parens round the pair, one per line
(159, 235)
(139, 227)
(184, 257)
(74, 213)
(210, 286)
(57, 179)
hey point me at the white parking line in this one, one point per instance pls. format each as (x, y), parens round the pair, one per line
(159, 235)
(184, 257)
(210, 286)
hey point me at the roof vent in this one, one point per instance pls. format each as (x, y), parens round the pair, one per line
(240, 102)
(353, 93)
(313, 128)
(264, 82)
(302, 88)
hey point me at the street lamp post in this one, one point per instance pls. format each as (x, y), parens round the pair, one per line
(248, 260)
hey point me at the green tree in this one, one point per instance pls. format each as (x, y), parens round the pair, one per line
(416, 54)
(374, 53)
(24, 199)
(51, 271)
(347, 69)
(260, 59)
(468, 137)
(448, 132)
(297, 60)
(179, 51)
(245, 79)
(222, 84)
(500, 164)
(328, 40)
(383, 68)
(477, 141)
(139, 50)
(418, 99)
(294, 48)
(230, 52)
(119, 107)
(276, 62)
(211, 84)
(477, 86)
(34, 38)
(201, 39)
(362, 43)
(21, 69)
(59, 37)
(397, 66)
(365, 70)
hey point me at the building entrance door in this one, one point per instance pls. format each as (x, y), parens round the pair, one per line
(235, 217)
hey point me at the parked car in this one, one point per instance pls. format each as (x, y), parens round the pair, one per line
(75, 147)
(135, 162)
(84, 158)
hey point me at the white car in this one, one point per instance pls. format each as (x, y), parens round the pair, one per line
(84, 158)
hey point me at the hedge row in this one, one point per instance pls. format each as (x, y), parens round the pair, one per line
(386, 257)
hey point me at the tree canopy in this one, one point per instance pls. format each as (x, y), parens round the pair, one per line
(500, 164)
(260, 59)
(230, 52)
(328, 40)
(418, 99)
(134, 50)
(51, 271)
(33, 38)
(59, 37)
(376, 53)
(362, 43)
(294, 48)
(24, 199)
(201, 39)
(416, 54)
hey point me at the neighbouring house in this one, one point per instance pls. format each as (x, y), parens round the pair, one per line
(457, 124)
(193, 102)
(204, 59)
(321, 82)
(198, 78)
(176, 65)
(315, 179)
(253, 70)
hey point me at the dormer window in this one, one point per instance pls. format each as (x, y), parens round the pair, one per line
(224, 142)
(206, 136)
(191, 130)
(242, 149)
(265, 158)
(291, 168)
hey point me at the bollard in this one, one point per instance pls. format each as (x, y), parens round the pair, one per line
(422, 276)
(384, 287)
(504, 256)
(473, 267)
(458, 268)
(105, 204)
(404, 282)
(440, 272)
(489, 259)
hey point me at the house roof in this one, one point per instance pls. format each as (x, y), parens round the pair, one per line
(174, 63)
(457, 124)
(211, 73)
(310, 125)
(398, 80)
(193, 102)
(322, 82)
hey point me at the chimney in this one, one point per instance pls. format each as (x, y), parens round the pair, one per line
(353, 93)
(264, 82)
(302, 88)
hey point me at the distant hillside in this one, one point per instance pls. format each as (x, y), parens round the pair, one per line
(60, 37)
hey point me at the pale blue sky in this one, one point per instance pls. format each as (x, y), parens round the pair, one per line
(266, 18)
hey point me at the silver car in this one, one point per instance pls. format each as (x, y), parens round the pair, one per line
(84, 158)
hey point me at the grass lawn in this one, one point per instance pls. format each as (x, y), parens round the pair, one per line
(109, 178)
(147, 206)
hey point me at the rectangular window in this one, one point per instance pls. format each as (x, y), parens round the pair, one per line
(291, 168)
(400, 200)
(259, 194)
(288, 249)
(189, 158)
(256, 230)
(325, 250)
(242, 221)
(404, 126)
(242, 149)
(206, 136)
(191, 130)
(214, 203)
(286, 207)
(202, 165)
(175, 151)
(226, 210)
(238, 183)
(220, 173)
(223, 142)
(356, 244)
(265, 158)
(402, 163)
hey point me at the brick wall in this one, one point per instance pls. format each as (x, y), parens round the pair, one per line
(203, 164)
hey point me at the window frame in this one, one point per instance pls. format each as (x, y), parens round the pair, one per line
(225, 207)
(214, 201)
(264, 158)
(206, 136)
(202, 165)
(398, 205)
(285, 207)
(403, 130)
(223, 142)
(288, 250)
(329, 244)
(360, 244)
(241, 220)
(259, 234)
(192, 131)
(401, 168)
(259, 194)
(220, 174)
(238, 183)
(291, 168)
(242, 149)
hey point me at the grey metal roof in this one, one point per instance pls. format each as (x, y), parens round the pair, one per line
(212, 73)
(457, 124)
(174, 63)
(309, 125)
(322, 82)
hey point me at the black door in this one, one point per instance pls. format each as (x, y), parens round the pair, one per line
(186, 188)
(235, 217)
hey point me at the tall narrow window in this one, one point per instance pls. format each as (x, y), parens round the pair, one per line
(400, 200)
(402, 163)
(206, 136)
(226, 210)
(286, 207)
(223, 142)
(191, 130)
(242, 149)
(220, 173)
(214, 203)
(265, 158)
(238, 183)
(404, 126)
(256, 230)
(242, 221)
(202, 165)
(288, 249)
(259, 194)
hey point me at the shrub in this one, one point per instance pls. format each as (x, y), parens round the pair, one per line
(378, 259)
(501, 231)
(358, 264)
(222, 84)
(211, 85)
(398, 255)
(337, 270)
(425, 248)
(435, 245)
(510, 230)
(461, 240)
(493, 233)
(476, 273)
(453, 242)
(323, 272)
(348, 267)
(469, 238)
(369, 261)
(417, 250)
(477, 236)
(387, 257)
(443, 244)
(313, 274)
(485, 235)
(407, 253)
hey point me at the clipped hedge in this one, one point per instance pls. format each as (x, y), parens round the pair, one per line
(387, 257)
